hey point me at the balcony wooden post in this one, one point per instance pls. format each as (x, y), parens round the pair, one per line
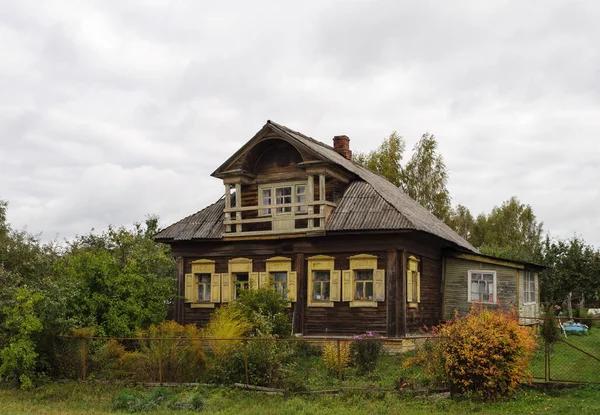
(310, 197)
(322, 199)
(238, 204)
(227, 206)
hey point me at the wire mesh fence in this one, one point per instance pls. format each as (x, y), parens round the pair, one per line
(569, 351)
(295, 364)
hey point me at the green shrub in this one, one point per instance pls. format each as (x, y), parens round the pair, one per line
(366, 349)
(132, 402)
(589, 320)
(549, 329)
(267, 310)
(19, 357)
(484, 354)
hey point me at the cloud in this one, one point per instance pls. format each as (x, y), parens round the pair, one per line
(111, 110)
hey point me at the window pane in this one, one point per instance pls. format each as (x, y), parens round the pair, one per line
(279, 276)
(369, 290)
(300, 189)
(364, 275)
(325, 290)
(321, 275)
(283, 191)
(317, 290)
(203, 278)
(241, 277)
(359, 290)
(201, 292)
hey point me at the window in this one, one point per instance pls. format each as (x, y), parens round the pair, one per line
(482, 286)
(280, 277)
(280, 283)
(529, 289)
(241, 282)
(283, 194)
(203, 287)
(323, 281)
(321, 285)
(363, 281)
(413, 282)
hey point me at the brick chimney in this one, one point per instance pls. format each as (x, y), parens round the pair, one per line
(341, 144)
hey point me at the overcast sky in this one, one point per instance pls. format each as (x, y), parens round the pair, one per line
(112, 110)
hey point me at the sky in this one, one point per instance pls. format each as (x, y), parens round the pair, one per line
(111, 110)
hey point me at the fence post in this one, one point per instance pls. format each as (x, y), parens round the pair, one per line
(246, 361)
(160, 361)
(339, 356)
(83, 360)
(546, 350)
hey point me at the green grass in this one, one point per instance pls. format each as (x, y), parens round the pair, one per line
(569, 364)
(75, 398)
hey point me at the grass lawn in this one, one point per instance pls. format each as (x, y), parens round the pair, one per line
(569, 364)
(76, 398)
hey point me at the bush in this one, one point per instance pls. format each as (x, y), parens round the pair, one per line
(365, 350)
(550, 330)
(485, 354)
(267, 310)
(589, 320)
(132, 402)
(330, 355)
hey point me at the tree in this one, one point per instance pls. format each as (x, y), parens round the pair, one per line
(425, 177)
(461, 220)
(386, 160)
(510, 231)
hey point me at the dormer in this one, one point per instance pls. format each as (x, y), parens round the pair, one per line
(276, 185)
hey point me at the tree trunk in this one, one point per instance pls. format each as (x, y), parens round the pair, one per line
(581, 305)
(569, 304)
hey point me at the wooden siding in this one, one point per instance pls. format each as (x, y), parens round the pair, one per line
(341, 319)
(456, 285)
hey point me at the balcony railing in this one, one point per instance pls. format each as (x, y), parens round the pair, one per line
(251, 220)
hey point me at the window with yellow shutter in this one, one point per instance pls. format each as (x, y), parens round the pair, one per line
(413, 282)
(202, 284)
(363, 285)
(323, 281)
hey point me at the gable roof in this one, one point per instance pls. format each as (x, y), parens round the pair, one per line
(385, 205)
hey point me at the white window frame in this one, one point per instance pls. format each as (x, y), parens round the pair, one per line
(529, 277)
(495, 285)
(266, 210)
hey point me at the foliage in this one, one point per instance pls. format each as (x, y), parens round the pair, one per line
(549, 329)
(425, 177)
(18, 357)
(461, 220)
(132, 402)
(226, 325)
(332, 361)
(366, 349)
(267, 310)
(485, 354)
(386, 160)
(146, 401)
(510, 231)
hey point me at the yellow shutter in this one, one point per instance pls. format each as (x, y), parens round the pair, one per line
(336, 276)
(347, 285)
(409, 286)
(292, 284)
(215, 288)
(379, 282)
(189, 288)
(263, 280)
(418, 287)
(253, 280)
(225, 288)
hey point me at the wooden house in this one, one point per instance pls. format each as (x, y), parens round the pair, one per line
(349, 250)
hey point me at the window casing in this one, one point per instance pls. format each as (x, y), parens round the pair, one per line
(239, 278)
(202, 288)
(282, 194)
(413, 282)
(203, 284)
(323, 281)
(529, 296)
(482, 286)
(280, 277)
(363, 285)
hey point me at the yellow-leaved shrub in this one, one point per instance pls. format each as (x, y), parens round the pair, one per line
(332, 361)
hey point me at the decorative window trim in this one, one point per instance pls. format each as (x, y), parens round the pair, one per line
(412, 266)
(237, 265)
(533, 280)
(495, 285)
(280, 264)
(363, 262)
(323, 263)
(266, 210)
(202, 266)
